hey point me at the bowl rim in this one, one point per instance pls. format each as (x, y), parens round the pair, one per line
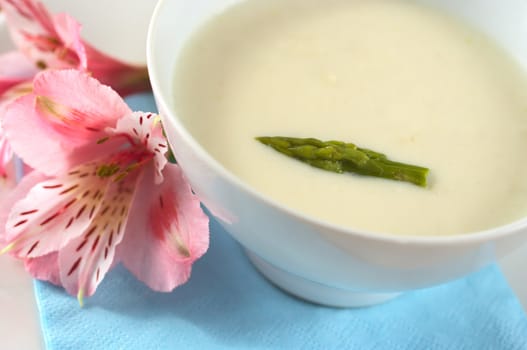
(458, 239)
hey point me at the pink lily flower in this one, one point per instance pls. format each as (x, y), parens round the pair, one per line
(102, 191)
(53, 41)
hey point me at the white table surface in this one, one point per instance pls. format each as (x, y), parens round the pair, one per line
(19, 322)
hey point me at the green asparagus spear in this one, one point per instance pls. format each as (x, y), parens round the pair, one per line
(341, 157)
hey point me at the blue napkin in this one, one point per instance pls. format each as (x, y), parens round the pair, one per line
(227, 304)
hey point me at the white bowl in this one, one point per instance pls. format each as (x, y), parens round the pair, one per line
(316, 260)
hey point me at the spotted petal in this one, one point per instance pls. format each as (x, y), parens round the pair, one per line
(145, 129)
(54, 212)
(13, 196)
(87, 258)
(166, 233)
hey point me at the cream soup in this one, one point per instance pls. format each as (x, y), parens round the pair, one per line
(393, 76)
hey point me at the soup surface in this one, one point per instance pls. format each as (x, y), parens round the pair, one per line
(393, 76)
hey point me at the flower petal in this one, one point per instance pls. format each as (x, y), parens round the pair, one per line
(44, 268)
(15, 69)
(7, 176)
(15, 81)
(87, 258)
(126, 79)
(146, 130)
(54, 212)
(69, 32)
(67, 114)
(13, 196)
(7, 167)
(52, 156)
(166, 233)
(87, 105)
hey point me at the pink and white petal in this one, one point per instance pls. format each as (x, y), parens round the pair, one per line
(7, 166)
(15, 64)
(69, 31)
(80, 102)
(13, 93)
(7, 83)
(126, 79)
(7, 178)
(34, 140)
(13, 196)
(54, 212)
(166, 233)
(16, 75)
(15, 68)
(145, 129)
(44, 268)
(84, 262)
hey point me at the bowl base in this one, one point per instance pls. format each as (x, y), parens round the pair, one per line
(316, 292)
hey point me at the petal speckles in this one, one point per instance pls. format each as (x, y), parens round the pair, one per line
(87, 258)
(54, 212)
(145, 129)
